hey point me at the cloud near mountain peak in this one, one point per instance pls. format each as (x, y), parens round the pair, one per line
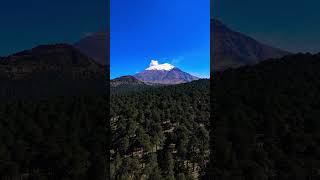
(154, 65)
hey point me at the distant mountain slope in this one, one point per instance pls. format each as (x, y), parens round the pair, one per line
(96, 46)
(164, 74)
(60, 58)
(50, 70)
(234, 49)
(173, 76)
(125, 80)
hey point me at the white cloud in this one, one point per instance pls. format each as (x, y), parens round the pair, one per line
(154, 65)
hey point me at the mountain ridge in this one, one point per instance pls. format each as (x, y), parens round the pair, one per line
(125, 80)
(96, 46)
(63, 58)
(172, 76)
(50, 71)
(232, 49)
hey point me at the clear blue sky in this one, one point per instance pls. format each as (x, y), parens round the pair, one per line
(171, 31)
(289, 24)
(28, 23)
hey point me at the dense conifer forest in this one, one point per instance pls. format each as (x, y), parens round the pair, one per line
(53, 116)
(57, 138)
(266, 121)
(264, 125)
(160, 132)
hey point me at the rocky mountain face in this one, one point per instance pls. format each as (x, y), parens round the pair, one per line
(231, 49)
(172, 76)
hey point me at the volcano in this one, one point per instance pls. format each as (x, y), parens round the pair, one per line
(164, 74)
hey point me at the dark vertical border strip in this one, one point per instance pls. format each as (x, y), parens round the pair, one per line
(108, 145)
(210, 167)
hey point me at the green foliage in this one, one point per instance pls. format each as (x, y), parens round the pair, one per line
(156, 126)
(181, 176)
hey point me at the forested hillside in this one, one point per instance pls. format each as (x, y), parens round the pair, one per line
(266, 121)
(53, 115)
(160, 132)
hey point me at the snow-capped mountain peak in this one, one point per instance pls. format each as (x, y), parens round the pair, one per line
(163, 74)
(154, 65)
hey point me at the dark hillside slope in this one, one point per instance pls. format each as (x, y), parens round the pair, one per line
(50, 70)
(266, 123)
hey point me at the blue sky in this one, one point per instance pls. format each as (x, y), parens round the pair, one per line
(170, 31)
(25, 24)
(288, 24)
